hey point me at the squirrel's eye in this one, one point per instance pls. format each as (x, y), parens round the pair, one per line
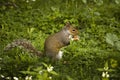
(73, 30)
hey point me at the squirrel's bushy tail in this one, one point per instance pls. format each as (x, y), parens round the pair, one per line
(25, 44)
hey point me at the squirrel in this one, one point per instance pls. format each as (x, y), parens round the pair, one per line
(52, 44)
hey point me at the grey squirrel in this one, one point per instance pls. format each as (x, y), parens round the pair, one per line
(53, 43)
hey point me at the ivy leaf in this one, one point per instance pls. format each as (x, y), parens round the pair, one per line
(111, 38)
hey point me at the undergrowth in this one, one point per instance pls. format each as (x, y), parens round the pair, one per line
(94, 57)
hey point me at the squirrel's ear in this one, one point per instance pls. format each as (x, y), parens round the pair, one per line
(67, 25)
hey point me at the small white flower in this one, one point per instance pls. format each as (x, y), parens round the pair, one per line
(103, 74)
(107, 75)
(40, 72)
(106, 72)
(15, 78)
(33, 0)
(50, 77)
(2, 76)
(28, 78)
(106, 68)
(49, 69)
(7, 77)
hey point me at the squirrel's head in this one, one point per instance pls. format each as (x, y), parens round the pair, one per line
(72, 31)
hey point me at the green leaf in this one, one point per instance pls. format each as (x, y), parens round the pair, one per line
(28, 72)
(53, 72)
(98, 2)
(45, 64)
(117, 44)
(111, 70)
(100, 69)
(69, 78)
(111, 38)
(84, 1)
(117, 1)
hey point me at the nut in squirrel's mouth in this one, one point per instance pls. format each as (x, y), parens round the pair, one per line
(76, 38)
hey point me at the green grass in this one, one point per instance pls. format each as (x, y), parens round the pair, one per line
(97, 22)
